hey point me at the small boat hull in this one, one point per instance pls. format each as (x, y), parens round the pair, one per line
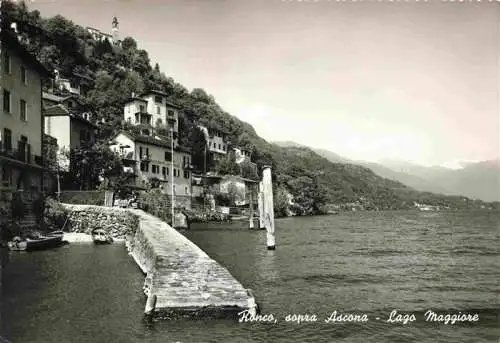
(100, 237)
(36, 244)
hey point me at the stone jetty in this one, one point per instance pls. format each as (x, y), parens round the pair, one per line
(181, 279)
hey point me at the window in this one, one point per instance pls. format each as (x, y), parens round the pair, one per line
(223, 147)
(6, 176)
(171, 113)
(157, 109)
(219, 146)
(164, 171)
(6, 101)
(186, 190)
(186, 174)
(22, 110)
(176, 172)
(21, 148)
(142, 109)
(140, 152)
(137, 118)
(155, 169)
(158, 99)
(6, 63)
(168, 156)
(24, 75)
(144, 166)
(7, 139)
(167, 171)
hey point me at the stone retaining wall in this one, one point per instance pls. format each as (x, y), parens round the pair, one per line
(117, 222)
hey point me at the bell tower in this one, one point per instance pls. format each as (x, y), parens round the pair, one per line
(115, 29)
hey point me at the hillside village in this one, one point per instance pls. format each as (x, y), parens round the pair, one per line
(83, 110)
(52, 130)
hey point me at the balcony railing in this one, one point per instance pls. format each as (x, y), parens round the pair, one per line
(146, 157)
(22, 156)
(127, 155)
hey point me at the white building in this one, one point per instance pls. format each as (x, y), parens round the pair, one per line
(149, 159)
(151, 110)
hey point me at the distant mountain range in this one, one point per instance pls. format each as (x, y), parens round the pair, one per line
(477, 180)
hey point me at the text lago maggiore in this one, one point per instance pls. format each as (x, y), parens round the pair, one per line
(337, 317)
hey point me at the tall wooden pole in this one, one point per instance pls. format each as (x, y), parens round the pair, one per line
(268, 207)
(250, 218)
(260, 200)
(172, 175)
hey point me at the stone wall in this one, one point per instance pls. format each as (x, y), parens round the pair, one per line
(117, 222)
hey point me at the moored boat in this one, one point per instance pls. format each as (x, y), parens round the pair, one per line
(40, 243)
(99, 236)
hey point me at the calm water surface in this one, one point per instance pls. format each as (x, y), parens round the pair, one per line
(369, 263)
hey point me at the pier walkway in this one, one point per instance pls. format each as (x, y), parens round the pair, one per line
(181, 279)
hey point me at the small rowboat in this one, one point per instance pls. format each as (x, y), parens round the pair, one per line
(100, 236)
(40, 243)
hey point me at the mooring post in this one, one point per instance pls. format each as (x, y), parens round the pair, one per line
(268, 207)
(150, 307)
(260, 201)
(250, 216)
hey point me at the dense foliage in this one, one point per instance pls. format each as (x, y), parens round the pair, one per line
(119, 71)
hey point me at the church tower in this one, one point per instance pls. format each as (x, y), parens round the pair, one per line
(114, 29)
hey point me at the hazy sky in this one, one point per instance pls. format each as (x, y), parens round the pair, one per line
(368, 80)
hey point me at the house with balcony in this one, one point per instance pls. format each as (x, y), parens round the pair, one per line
(217, 143)
(74, 84)
(152, 162)
(152, 112)
(21, 123)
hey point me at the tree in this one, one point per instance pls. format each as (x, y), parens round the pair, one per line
(198, 145)
(309, 198)
(281, 205)
(228, 166)
(90, 164)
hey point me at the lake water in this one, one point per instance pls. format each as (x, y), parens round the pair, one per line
(372, 263)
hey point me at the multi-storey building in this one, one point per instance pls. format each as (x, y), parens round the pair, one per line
(151, 159)
(217, 142)
(21, 123)
(66, 120)
(151, 111)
